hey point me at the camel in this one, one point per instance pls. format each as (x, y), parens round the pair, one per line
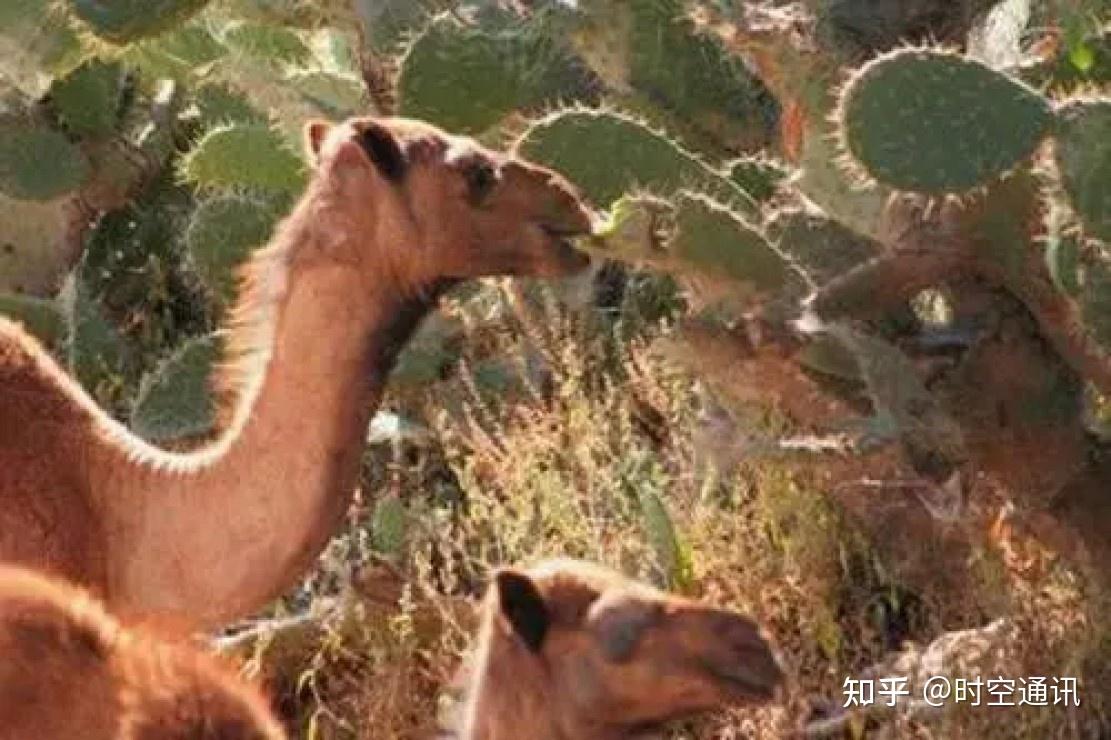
(70, 670)
(396, 211)
(568, 650)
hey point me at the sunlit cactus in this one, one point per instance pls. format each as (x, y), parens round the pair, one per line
(864, 213)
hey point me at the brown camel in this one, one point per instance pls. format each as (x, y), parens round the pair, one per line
(396, 211)
(572, 651)
(69, 671)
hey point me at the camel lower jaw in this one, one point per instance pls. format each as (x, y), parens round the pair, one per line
(573, 259)
(745, 688)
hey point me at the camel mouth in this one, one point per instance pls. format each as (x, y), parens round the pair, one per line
(569, 257)
(758, 679)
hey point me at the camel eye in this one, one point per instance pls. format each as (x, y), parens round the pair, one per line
(481, 180)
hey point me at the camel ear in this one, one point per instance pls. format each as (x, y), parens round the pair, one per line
(384, 150)
(314, 133)
(523, 607)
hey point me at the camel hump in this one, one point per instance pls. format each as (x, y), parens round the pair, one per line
(70, 670)
(50, 613)
(198, 700)
(177, 692)
(56, 646)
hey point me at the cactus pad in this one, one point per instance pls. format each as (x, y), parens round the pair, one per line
(176, 53)
(1095, 303)
(467, 79)
(219, 105)
(89, 99)
(822, 247)
(716, 241)
(39, 163)
(175, 400)
(935, 123)
(96, 353)
(608, 154)
(1084, 160)
(223, 231)
(760, 177)
(35, 37)
(272, 45)
(694, 234)
(124, 21)
(247, 155)
(689, 75)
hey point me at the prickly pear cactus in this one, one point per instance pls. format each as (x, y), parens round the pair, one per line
(245, 155)
(1083, 158)
(468, 79)
(39, 163)
(813, 185)
(175, 400)
(123, 21)
(937, 123)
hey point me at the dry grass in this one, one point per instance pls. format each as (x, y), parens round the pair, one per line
(559, 462)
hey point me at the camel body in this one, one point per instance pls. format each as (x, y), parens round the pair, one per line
(70, 670)
(396, 212)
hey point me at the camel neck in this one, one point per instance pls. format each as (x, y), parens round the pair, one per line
(207, 536)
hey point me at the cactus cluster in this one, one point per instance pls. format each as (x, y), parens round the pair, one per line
(792, 208)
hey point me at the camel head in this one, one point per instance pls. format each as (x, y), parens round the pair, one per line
(624, 656)
(434, 206)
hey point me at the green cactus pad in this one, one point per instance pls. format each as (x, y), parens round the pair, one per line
(608, 154)
(219, 105)
(935, 123)
(40, 317)
(714, 240)
(97, 355)
(245, 155)
(39, 163)
(1095, 303)
(124, 21)
(822, 247)
(760, 177)
(294, 13)
(223, 231)
(1083, 157)
(89, 99)
(336, 95)
(177, 53)
(175, 401)
(35, 37)
(467, 79)
(677, 74)
(695, 234)
(272, 45)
